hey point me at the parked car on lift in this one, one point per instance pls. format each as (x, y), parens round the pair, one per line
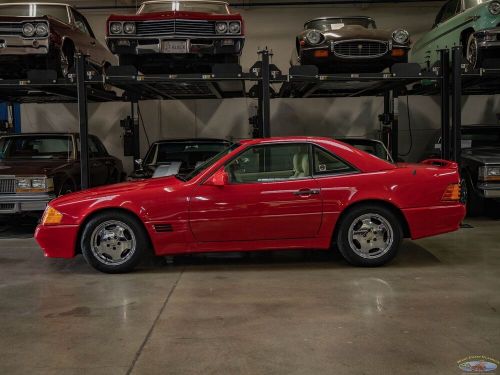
(46, 36)
(177, 156)
(371, 146)
(473, 24)
(349, 44)
(480, 168)
(37, 167)
(177, 35)
(275, 193)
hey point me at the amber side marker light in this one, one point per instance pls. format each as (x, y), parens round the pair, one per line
(51, 216)
(321, 53)
(452, 193)
(398, 52)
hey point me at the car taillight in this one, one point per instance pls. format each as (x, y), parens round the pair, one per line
(452, 193)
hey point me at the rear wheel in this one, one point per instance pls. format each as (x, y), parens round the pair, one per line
(113, 242)
(369, 236)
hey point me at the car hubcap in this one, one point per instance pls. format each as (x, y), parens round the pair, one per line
(64, 64)
(113, 242)
(370, 236)
(472, 52)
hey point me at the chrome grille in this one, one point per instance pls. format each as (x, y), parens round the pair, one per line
(7, 206)
(175, 27)
(7, 186)
(10, 28)
(360, 48)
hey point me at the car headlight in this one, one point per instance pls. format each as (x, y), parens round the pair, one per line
(221, 27)
(28, 29)
(494, 8)
(51, 216)
(314, 37)
(489, 173)
(34, 185)
(401, 36)
(234, 27)
(129, 28)
(116, 27)
(42, 29)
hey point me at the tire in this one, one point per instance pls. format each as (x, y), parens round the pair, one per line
(474, 202)
(114, 242)
(380, 226)
(66, 61)
(473, 53)
(67, 188)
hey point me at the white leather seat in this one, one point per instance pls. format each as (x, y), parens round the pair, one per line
(301, 165)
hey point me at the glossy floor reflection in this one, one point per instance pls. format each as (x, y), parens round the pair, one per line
(267, 313)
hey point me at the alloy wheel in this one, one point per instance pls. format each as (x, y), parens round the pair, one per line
(370, 236)
(113, 242)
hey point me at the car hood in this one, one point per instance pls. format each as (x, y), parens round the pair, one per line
(358, 32)
(22, 18)
(30, 167)
(485, 155)
(157, 16)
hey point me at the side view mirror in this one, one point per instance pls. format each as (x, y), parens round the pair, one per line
(219, 178)
(138, 163)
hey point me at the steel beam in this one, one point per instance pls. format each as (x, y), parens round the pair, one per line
(456, 118)
(445, 103)
(81, 63)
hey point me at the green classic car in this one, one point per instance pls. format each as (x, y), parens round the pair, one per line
(474, 24)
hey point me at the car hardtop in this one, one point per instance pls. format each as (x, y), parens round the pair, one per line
(66, 21)
(191, 140)
(71, 134)
(370, 19)
(144, 4)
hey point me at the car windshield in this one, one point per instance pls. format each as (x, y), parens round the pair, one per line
(200, 168)
(372, 147)
(472, 3)
(36, 147)
(336, 23)
(185, 6)
(35, 10)
(472, 138)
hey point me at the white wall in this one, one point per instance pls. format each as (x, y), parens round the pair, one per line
(276, 28)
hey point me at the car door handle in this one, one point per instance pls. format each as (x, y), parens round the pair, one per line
(307, 192)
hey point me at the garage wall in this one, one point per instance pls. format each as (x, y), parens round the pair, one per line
(276, 28)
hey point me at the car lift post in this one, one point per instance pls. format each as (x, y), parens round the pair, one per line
(135, 130)
(445, 103)
(390, 117)
(80, 61)
(264, 110)
(456, 118)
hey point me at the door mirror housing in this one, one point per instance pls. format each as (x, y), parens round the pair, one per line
(219, 178)
(138, 164)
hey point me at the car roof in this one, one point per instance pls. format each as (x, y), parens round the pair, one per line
(342, 139)
(186, 1)
(192, 140)
(327, 18)
(37, 3)
(41, 134)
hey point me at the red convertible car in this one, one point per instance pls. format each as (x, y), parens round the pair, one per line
(177, 35)
(275, 193)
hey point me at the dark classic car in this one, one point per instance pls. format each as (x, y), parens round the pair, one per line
(176, 35)
(480, 168)
(371, 146)
(46, 36)
(36, 167)
(177, 156)
(350, 44)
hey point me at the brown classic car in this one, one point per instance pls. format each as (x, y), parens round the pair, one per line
(177, 35)
(37, 167)
(46, 36)
(350, 45)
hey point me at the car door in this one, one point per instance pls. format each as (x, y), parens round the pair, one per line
(270, 195)
(99, 170)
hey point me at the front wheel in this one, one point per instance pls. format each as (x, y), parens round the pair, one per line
(113, 242)
(369, 236)
(473, 53)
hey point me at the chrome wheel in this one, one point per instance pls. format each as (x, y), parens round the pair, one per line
(64, 64)
(113, 242)
(472, 51)
(370, 236)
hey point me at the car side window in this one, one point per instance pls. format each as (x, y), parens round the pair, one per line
(326, 163)
(81, 23)
(270, 163)
(450, 9)
(94, 150)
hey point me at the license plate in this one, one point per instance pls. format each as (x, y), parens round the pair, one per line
(175, 46)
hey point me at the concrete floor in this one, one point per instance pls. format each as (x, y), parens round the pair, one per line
(286, 313)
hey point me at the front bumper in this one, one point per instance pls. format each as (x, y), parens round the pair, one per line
(488, 38)
(19, 203)
(17, 45)
(489, 190)
(194, 45)
(58, 241)
(359, 64)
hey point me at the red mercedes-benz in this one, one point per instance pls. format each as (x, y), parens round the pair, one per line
(177, 35)
(276, 193)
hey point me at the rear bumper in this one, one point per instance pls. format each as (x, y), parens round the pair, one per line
(17, 203)
(57, 241)
(196, 45)
(431, 221)
(16, 45)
